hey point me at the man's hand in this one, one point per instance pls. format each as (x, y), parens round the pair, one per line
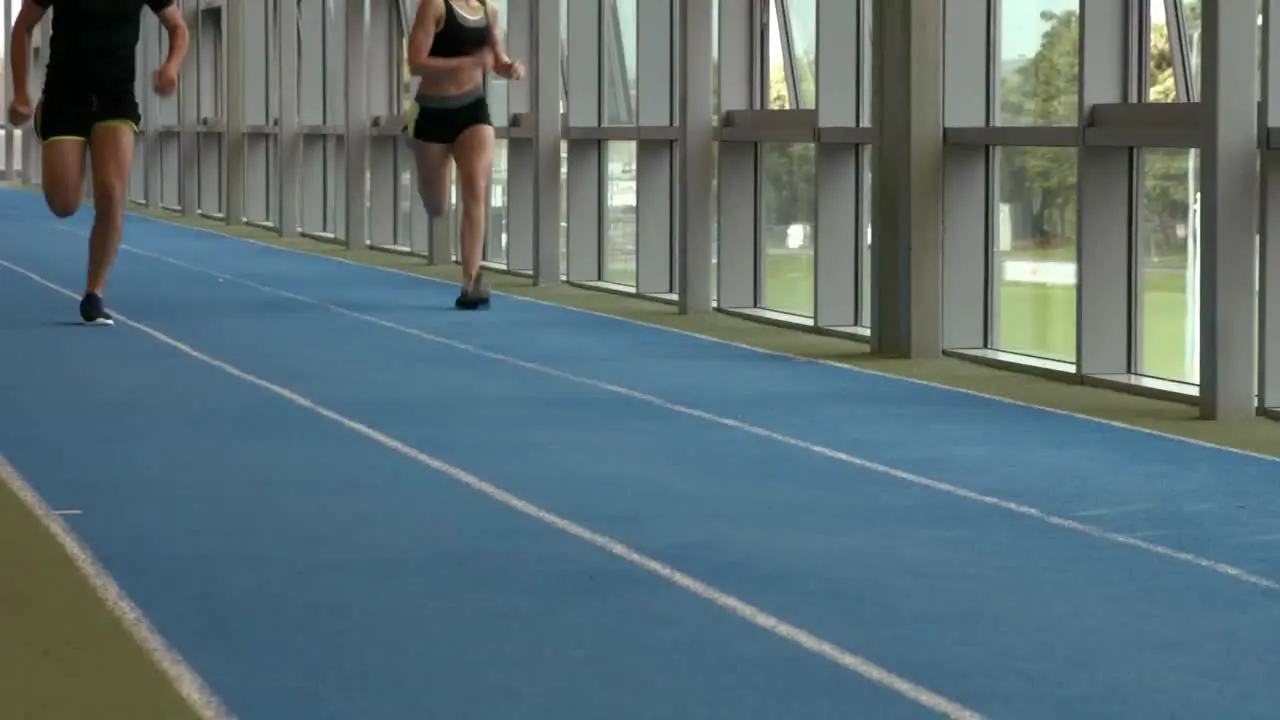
(20, 110)
(166, 80)
(509, 69)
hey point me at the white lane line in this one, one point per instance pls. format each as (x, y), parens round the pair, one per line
(709, 338)
(741, 608)
(193, 690)
(67, 512)
(1231, 571)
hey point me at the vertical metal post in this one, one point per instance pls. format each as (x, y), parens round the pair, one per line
(289, 147)
(696, 154)
(1228, 219)
(189, 116)
(10, 160)
(547, 134)
(234, 14)
(907, 253)
(358, 125)
(835, 257)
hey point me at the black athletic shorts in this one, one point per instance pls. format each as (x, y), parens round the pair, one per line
(72, 114)
(442, 120)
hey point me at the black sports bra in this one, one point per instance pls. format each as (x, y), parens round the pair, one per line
(460, 35)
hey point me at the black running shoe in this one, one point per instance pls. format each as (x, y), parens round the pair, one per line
(474, 296)
(93, 313)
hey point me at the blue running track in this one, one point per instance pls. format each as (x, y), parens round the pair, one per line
(536, 512)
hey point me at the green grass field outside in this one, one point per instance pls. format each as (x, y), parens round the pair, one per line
(1031, 319)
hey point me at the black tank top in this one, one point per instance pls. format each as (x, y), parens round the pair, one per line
(460, 35)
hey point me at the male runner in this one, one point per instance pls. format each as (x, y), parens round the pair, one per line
(88, 103)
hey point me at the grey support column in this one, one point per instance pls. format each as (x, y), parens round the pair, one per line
(965, 173)
(189, 116)
(358, 125)
(234, 59)
(1228, 213)
(1269, 306)
(584, 197)
(736, 185)
(907, 251)
(10, 160)
(289, 145)
(836, 234)
(654, 50)
(149, 46)
(547, 133)
(1104, 181)
(521, 168)
(697, 140)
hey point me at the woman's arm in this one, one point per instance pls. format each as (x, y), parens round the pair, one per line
(420, 38)
(502, 65)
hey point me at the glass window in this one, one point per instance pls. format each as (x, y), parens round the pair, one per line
(1033, 253)
(1167, 273)
(787, 218)
(618, 53)
(618, 259)
(800, 23)
(1038, 62)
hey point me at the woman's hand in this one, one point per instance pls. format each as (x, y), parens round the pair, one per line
(509, 69)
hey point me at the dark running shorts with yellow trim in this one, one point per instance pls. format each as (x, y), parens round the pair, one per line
(72, 115)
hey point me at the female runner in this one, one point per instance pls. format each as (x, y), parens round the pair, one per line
(452, 45)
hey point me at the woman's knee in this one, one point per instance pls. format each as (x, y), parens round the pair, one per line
(109, 198)
(63, 201)
(436, 201)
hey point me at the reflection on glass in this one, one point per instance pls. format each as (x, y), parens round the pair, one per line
(1168, 264)
(715, 222)
(618, 251)
(715, 61)
(1162, 84)
(802, 20)
(564, 207)
(786, 227)
(1033, 301)
(495, 249)
(1038, 54)
(864, 244)
(618, 58)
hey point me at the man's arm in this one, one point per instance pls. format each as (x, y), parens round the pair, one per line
(421, 36)
(24, 27)
(170, 16)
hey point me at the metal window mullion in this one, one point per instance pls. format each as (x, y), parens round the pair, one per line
(358, 126)
(545, 27)
(654, 161)
(234, 162)
(966, 180)
(189, 118)
(289, 142)
(836, 169)
(10, 161)
(585, 172)
(1269, 231)
(696, 26)
(1228, 274)
(1104, 194)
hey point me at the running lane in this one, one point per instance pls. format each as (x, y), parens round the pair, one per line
(997, 610)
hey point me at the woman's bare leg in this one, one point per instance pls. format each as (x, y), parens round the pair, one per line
(433, 163)
(473, 152)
